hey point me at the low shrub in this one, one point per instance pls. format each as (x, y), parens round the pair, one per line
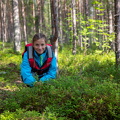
(87, 88)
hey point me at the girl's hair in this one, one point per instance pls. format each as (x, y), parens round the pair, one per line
(39, 36)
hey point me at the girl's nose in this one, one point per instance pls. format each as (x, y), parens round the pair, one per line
(40, 47)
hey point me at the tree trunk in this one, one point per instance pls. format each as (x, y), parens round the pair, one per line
(33, 14)
(24, 23)
(10, 30)
(17, 34)
(110, 22)
(65, 21)
(80, 4)
(60, 31)
(4, 23)
(38, 17)
(54, 23)
(117, 32)
(74, 27)
(43, 26)
(1, 20)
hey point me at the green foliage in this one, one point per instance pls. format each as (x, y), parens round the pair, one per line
(87, 88)
(20, 114)
(92, 32)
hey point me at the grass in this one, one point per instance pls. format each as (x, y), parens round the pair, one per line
(87, 88)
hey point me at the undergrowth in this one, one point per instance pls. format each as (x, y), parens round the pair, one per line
(87, 88)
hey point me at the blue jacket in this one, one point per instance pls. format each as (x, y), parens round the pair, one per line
(26, 71)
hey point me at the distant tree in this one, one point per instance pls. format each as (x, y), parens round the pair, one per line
(74, 26)
(37, 16)
(117, 31)
(17, 33)
(65, 15)
(54, 24)
(110, 11)
(24, 23)
(60, 31)
(3, 22)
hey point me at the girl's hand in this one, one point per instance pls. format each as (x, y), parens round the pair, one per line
(38, 84)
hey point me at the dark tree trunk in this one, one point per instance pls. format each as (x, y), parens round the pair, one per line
(54, 23)
(117, 31)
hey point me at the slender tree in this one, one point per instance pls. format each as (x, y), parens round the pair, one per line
(74, 26)
(9, 17)
(17, 34)
(60, 31)
(4, 22)
(110, 21)
(117, 31)
(79, 11)
(24, 22)
(54, 23)
(37, 16)
(1, 20)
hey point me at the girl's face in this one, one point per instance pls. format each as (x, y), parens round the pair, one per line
(39, 45)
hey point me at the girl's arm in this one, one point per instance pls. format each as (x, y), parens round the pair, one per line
(51, 74)
(26, 73)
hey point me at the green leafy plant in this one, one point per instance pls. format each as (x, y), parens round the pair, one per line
(87, 87)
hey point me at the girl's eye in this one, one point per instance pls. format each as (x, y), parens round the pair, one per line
(42, 44)
(36, 44)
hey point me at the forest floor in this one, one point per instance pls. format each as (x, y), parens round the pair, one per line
(87, 88)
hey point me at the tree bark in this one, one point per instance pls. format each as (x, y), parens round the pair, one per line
(1, 20)
(60, 31)
(74, 27)
(117, 32)
(4, 23)
(54, 24)
(24, 23)
(17, 34)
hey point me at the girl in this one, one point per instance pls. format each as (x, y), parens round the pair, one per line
(38, 60)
